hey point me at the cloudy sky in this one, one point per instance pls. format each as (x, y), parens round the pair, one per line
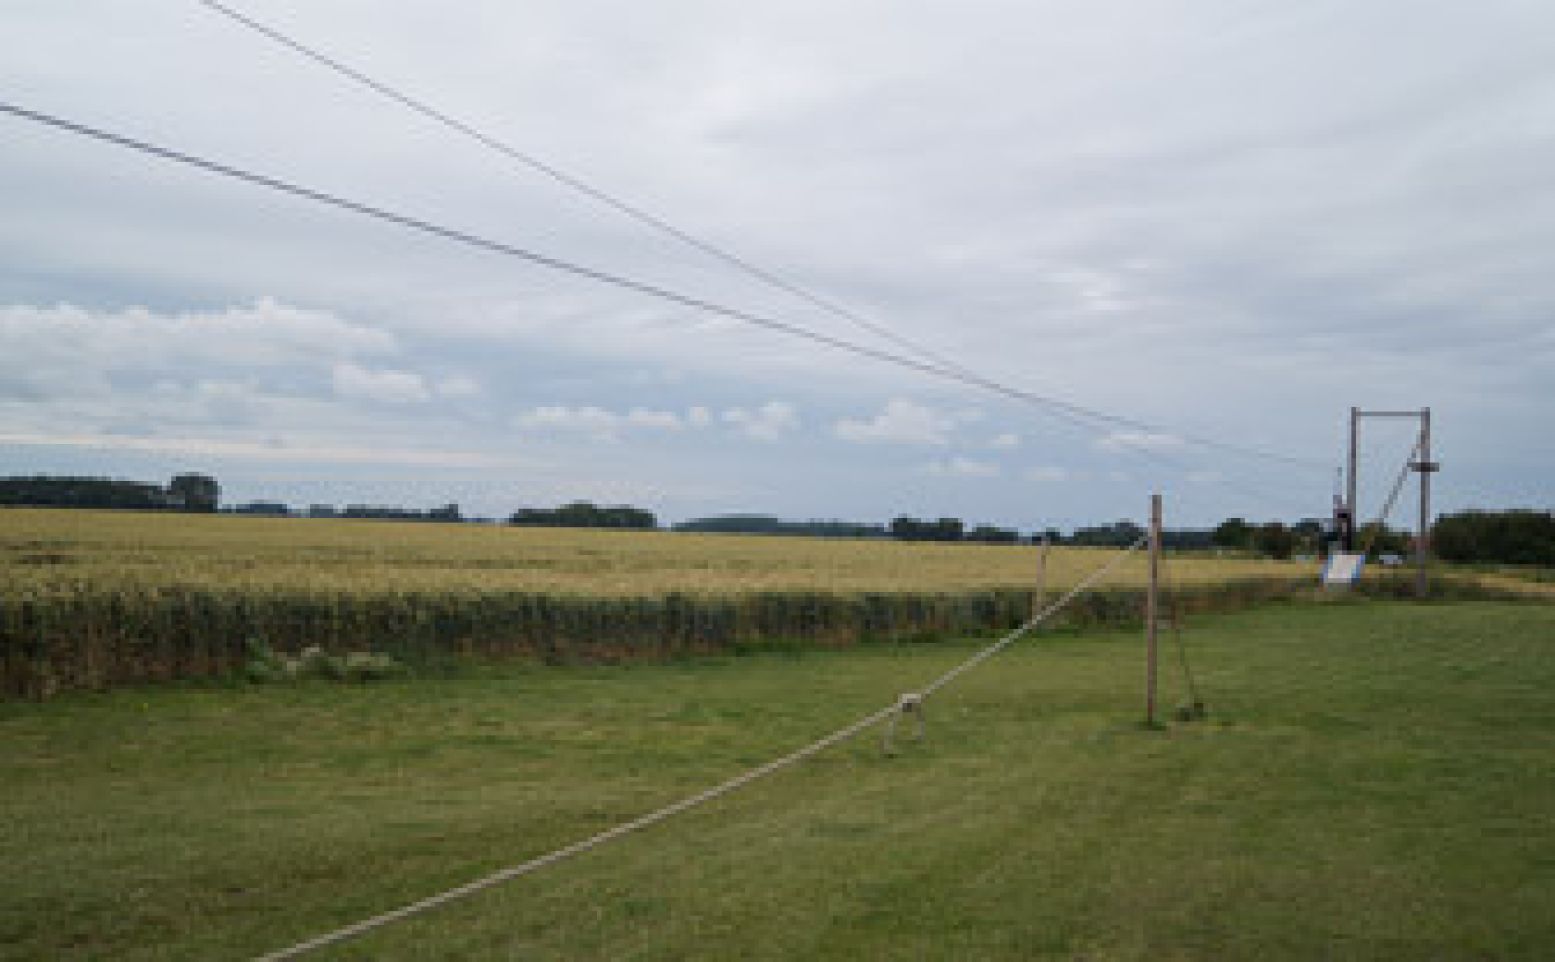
(1223, 220)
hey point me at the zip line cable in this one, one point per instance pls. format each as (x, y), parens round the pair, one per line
(1398, 484)
(1061, 409)
(1174, 606)
(484, 243)
(723, 788)
(685, 237)
(1374, 529)
(1076, 414)
(581, 186)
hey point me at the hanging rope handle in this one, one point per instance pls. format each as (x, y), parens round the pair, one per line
(908, 703)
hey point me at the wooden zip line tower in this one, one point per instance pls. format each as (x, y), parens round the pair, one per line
(1421, 464)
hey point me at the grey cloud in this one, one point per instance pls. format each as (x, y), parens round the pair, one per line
(963, 467)
(385, 386)
(768, 422)
(901, 422)
(1228, 218)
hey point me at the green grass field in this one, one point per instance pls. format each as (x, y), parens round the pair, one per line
(1377, 780)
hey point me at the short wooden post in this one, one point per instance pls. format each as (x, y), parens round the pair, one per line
(1040, 601)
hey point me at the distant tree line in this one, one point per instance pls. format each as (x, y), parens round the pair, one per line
(912, 529)
(992, 534)
(902, 528)
(584, 514)
(373, 512)
(185, 492)
(950, 529)
(448, 513)
(1188, 539)
(1521, 537)
(767, 524)
(1119, 534)
(1276, 539)
(264, 509)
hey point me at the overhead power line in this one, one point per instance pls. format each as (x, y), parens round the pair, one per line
(575, 183)
(530, 161)
(1061, 408)
(464, 237)
(1071, 412)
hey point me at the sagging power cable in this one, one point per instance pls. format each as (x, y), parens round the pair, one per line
(551, 170)
(1076, 414)
(723, 254)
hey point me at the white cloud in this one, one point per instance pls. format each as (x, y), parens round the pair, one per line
(68, 371)
(458, 385)
(559, 418)
(67, 351)
(767, 423)
(961, 467)
(384, 386)
(1005, 442)
(654, 420)
(1046, 473)
(1118, 441)
(271, 449)
(596, 422)
(902, 422)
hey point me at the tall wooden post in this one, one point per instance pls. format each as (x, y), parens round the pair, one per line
(1349, 500)
(1152, 608)
(1423, 538)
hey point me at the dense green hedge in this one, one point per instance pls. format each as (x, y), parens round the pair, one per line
(1522, 537)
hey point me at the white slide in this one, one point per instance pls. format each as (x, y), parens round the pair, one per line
(1343, 568)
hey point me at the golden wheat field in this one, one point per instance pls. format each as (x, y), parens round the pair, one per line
(93, 599)
(43, 549)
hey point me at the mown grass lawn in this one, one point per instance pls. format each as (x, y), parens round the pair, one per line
(1377, 780)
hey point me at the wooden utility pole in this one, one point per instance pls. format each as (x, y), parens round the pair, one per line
(1426, 467)
(1349, 500)
(1152, 608)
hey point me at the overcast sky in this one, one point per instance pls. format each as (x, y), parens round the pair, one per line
(1226, 219)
